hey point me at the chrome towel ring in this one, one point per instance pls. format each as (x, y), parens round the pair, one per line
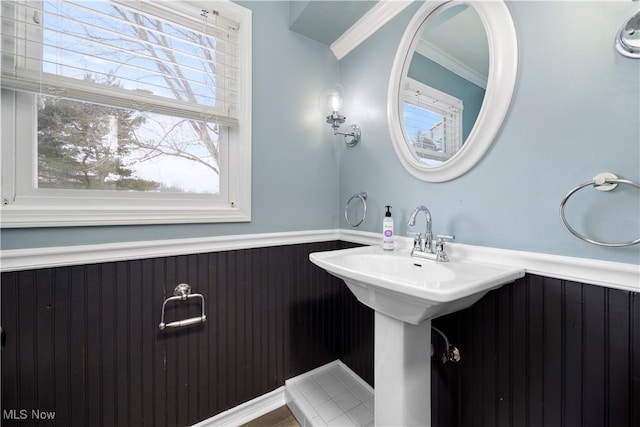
(363, 198)
(182, 292)
(602, 182)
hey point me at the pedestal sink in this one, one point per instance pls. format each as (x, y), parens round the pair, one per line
(406, 293)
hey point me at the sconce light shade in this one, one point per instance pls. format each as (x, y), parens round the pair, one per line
(335, 101)
(331, 101)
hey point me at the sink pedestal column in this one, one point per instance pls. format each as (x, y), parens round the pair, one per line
(402, 372)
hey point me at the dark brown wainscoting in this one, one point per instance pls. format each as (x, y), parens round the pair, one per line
(542, 352)
(83, 341)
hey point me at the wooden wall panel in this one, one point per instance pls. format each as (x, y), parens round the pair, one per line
(314, 313)
(83, 341)
(543, 352)
(356, 332)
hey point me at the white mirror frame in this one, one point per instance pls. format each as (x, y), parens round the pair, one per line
(503, 67)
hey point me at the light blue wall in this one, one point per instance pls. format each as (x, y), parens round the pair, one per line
(295, 162)
(575, 113)
(296, 8)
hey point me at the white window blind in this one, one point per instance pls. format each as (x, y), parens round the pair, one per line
(442, 129)
(125, 112)
(170, 58)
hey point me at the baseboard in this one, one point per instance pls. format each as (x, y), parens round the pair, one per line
(271, 401)
(362, 382)
(247, 411)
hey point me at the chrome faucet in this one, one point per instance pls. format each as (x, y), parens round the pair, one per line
(422, 246)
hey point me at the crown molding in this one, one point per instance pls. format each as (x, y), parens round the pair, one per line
(452, 64)
(370, 22)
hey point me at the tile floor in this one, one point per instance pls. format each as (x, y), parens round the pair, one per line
(330, 396)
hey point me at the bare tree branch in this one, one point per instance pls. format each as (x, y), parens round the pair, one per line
(155, 44)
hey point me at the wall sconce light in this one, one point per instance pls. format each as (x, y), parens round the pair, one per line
(628, 38)
(331, 100)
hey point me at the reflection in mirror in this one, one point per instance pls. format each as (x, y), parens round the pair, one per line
(461, 57)
(432, 121)
(445, 83)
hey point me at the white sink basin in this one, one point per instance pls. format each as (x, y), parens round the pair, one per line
(411, 289)
(406, 293)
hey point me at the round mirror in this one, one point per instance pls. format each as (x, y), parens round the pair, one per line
(451, 85)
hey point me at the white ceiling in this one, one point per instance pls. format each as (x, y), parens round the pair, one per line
(454, 38)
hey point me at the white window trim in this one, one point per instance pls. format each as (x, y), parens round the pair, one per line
(607, 274)
(428, 95)
(23, 206)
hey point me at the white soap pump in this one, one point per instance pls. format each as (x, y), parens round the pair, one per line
(387, 230)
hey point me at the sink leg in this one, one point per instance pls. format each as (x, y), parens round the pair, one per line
(402, 372)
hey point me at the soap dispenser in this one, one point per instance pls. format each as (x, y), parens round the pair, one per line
(387, 230)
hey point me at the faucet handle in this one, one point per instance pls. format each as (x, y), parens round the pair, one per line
(443, 237)
(416, 236)
(417, 240)
(441, 255)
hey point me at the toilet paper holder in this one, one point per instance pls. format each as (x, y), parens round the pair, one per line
(182, 292)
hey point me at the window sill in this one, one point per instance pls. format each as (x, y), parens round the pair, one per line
(37, 216)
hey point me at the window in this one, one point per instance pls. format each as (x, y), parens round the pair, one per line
(125, 112)
(433, 122)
